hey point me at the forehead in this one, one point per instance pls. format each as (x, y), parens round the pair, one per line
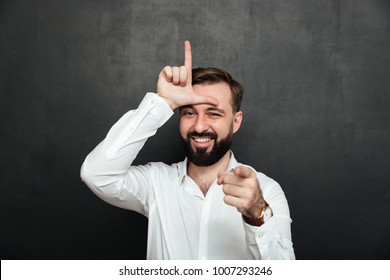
(220, 91)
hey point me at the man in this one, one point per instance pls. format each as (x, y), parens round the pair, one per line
(208, 206)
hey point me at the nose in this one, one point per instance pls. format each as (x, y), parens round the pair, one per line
(201, 124)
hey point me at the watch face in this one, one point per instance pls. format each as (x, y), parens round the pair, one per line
(267, 214)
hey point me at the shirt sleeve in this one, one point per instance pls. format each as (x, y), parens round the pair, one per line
(107, 170)
(272, 240)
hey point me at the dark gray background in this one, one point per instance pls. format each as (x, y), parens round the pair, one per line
(316, 114)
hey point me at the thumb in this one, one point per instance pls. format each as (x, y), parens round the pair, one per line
(220, 177)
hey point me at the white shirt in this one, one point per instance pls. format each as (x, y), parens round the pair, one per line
(183, 223)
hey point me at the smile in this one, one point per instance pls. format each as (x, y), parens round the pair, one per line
(201, 139)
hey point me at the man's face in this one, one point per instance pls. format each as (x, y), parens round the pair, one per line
(207, 130)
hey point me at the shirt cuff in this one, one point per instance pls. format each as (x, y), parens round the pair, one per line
(260, 233)
(151, 104)
(160, 109)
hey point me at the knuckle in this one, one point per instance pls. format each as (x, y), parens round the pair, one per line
(252, 183)
(224, 188)
(227, 189)
(226, 199)
(246, 205)
(248, 193)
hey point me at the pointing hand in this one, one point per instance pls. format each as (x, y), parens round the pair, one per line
(242, 190)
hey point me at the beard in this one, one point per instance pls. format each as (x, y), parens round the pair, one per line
(200, 156)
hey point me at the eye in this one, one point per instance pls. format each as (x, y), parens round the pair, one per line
(214, 115)
(187, 113)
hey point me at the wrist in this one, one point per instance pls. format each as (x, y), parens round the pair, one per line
(261, 217)
(252, 221)
(169, 102)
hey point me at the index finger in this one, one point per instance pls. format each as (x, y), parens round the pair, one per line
(244, 172)
(188, 59)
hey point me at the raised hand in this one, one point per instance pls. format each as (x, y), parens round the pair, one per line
(175, 84)
(242, 191)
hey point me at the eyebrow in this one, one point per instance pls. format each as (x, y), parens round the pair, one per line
(208, 109)
(186, 107)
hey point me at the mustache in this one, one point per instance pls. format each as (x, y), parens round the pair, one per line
(204, 134)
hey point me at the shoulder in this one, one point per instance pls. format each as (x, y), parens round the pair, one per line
(164, 169)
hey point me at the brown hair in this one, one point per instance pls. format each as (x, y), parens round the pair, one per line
(215, 75)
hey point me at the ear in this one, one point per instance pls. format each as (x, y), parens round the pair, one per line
(237, 119)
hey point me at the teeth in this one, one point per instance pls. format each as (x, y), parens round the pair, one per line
(202, 140)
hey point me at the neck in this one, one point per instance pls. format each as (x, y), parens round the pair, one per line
(204, 176)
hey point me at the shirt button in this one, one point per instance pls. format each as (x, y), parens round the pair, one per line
(261, 235)
(153, 101)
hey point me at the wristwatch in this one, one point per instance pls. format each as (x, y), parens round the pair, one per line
(265, 214)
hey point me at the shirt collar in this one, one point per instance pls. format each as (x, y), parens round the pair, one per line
(182, 169)
(182, 166)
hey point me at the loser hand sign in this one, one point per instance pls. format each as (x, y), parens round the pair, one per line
(175, 84)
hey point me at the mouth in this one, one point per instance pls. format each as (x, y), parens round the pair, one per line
(202, 142)
(201, 139)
